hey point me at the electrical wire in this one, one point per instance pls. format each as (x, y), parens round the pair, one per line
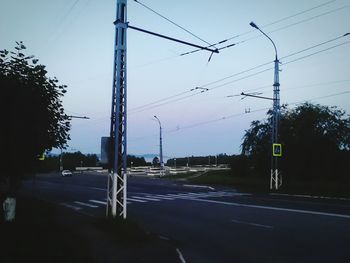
(253, 111)
(64, 17)
(177, 25)
(160, 102)
(315, 53)
(267, 63)
(286, 26)
(235, 115)
(297, 23)
(164, 103)
(263, 26)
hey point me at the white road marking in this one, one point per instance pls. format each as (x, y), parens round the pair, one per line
(181, 257)
(71, 206)
(145, 198)
(198, 195)
(85, 204)
(164, 238)
(136, 200)
(313, 196)
(274, 208)
(96, 188)
(188, 194)
(161, 197)
(251, 224)
(98, 202)
(199, 186)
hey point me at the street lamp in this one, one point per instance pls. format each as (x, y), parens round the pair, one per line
(276, 176)
(160, 144)
(61, 152)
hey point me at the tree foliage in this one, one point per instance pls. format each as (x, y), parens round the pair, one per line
(315, 139)
(32, 115)
(212, 160)
(133, 161)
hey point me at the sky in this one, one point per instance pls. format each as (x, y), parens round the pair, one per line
(75, 40)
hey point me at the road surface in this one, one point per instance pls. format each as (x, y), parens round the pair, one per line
(216, 224)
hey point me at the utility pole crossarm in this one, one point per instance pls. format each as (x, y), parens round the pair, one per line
(78, 117)
(255, 96)
(173, 39)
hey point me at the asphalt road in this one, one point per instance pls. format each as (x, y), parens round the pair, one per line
(216, 224)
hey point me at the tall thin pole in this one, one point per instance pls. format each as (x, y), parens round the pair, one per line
(117, 179)
(276, 177)
(61, 161)
(160, 143)
(275, 174)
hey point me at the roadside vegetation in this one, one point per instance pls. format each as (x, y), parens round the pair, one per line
(32, 109)
(315, 160)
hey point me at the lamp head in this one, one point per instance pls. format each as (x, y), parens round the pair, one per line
(252, 24)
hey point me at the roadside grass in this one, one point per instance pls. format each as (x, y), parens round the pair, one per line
(261, 184)
(180, 175)
(225, 178)
(35, 236)
(322, 187)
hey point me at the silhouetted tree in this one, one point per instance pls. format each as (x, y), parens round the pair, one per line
(32, 115)
(136, 161)
(155, 161)
(315, 139)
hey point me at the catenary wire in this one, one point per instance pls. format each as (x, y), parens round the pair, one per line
(245, 77)
(263, 26)
(172, 22)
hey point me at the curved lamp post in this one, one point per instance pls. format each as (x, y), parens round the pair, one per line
(276, 177)
(160, 144)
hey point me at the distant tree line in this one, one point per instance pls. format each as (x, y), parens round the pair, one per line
(211, 160)
(133, 161)
(69, 161)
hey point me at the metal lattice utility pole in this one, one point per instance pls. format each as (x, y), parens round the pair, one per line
(117, 179)
(276, 176)
(160, 144)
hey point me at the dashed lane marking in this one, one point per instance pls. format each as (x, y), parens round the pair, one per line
(71, 206)
(98, 202)
(145, 198)
(251, 224)
(85, 204)
(136, 200)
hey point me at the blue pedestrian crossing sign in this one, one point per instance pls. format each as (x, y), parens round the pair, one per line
(277, 149)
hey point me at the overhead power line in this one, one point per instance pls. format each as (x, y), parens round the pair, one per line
(171, 99)
(287, 89)
(172, 22)
(272, 23)
(267, 63)
(252, 111)
(315, 53)
(177, 129)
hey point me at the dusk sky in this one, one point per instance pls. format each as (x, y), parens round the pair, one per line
(75, 40)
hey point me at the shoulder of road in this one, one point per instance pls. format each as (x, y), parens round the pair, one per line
(43, 232)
